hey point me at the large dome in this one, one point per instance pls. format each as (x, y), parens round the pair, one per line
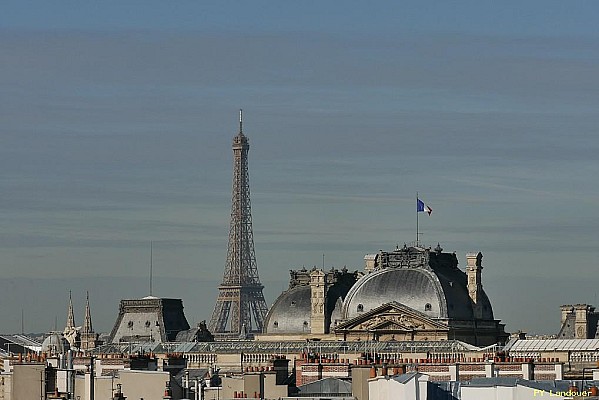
(437, 288)
(291, 312)
(415, 288)
(410, 293)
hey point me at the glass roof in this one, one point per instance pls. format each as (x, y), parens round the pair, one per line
(553, 345)
(286, 347)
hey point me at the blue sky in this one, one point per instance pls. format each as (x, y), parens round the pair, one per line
(117, 120)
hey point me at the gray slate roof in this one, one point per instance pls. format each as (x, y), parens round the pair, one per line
(547, 386)
(327, 386)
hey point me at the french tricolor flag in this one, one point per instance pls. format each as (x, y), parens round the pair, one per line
(421, 207)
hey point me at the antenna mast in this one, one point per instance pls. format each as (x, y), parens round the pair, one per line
(151, 264)
(417, 233)
(240, 121)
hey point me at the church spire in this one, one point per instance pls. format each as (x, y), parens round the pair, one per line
(89, 339)
(70, 314)
(87, 324)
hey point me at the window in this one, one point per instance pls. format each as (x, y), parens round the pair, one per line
(130, 324)
(428, 307)
(360, 307)
(147, 324)
(276, 324)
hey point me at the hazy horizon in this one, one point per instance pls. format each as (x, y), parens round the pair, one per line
(117, 122)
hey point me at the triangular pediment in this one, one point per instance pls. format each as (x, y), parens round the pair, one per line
(388, 324)
(391, 316)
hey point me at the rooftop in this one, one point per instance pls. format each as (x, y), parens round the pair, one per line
(528, 345)
(249, 346)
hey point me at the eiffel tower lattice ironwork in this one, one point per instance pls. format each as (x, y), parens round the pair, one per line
(240, 308)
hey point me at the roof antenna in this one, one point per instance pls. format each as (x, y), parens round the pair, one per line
(240, 121)
(151, 264)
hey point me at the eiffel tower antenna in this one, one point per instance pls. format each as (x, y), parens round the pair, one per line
(240, 307)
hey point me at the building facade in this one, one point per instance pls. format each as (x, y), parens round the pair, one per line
(411, 293)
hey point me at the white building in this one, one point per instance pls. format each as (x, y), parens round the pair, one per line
(413, 386)
(416, 386)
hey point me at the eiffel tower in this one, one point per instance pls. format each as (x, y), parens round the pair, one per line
(240, 308)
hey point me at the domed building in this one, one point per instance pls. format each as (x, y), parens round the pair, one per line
(411, 293)
(55, 343)
(312, 304)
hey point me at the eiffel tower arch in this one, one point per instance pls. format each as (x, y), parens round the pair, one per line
(240, 308)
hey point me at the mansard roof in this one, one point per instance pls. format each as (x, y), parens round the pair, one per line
(149, 319)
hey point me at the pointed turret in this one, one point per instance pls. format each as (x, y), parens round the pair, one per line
(70, 314)
(87, 324)
(89, 339)
(70, 332)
